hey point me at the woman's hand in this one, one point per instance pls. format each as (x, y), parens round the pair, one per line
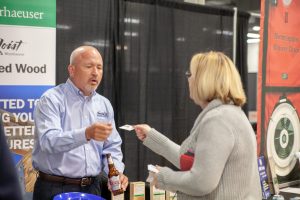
(142, 130)
(154, 176)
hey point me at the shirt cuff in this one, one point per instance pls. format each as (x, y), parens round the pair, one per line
(79, 136)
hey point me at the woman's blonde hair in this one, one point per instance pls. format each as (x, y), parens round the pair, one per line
(216, 77)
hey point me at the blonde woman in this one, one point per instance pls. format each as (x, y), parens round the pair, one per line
(218, 159)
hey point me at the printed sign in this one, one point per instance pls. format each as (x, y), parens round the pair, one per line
(278, 107)
(27, 64)
(263, 178)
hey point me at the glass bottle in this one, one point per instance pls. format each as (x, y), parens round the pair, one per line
(113, 176)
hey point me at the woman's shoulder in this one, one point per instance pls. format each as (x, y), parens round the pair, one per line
(224, 110)
(225, 115)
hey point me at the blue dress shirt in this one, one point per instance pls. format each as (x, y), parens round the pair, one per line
(61, 148)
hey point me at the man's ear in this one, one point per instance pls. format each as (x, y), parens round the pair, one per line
(71, 70)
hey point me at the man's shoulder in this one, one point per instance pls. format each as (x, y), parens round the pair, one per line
(56, 91)
(102, 98)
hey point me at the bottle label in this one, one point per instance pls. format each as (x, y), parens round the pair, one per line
(115, 183)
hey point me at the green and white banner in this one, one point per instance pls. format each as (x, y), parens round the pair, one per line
(28, 13)
(27, 64)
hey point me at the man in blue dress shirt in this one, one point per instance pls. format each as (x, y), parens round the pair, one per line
(74, 129)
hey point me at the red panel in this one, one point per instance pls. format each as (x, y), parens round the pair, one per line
(283, 61)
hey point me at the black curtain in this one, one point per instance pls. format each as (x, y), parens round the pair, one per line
(241, 51)
(95, 23)
(146, 47)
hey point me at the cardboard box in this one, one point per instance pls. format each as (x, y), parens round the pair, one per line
(137, 190)
(157, 194)
(171, 195)
(117, 197)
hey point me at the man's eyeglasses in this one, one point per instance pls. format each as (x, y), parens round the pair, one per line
(188, 74)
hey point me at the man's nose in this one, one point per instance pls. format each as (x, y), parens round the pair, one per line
(95, 70)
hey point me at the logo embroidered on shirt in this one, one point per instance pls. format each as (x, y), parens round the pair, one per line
(102, 114)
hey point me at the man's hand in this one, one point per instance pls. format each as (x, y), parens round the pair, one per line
(98, 131)
(123, 181)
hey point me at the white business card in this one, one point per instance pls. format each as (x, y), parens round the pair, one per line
(127, 127)
(152, 168)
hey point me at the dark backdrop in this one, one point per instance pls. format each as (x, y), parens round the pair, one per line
(146, 47)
